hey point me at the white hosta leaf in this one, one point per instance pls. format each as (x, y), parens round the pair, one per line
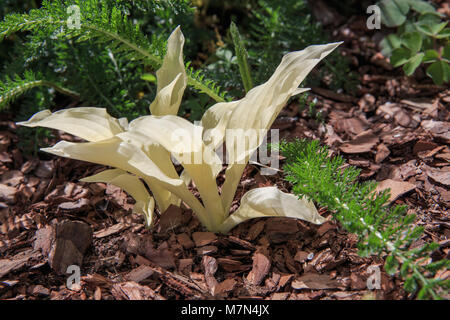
(171, 78)
(131, 184)
(117, 153)
(215, 121)
(89, 123)
(271, 202)
(184, 141)
(257, 111)
(158, 155)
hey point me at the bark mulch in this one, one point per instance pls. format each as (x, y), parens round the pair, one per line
(396, 129)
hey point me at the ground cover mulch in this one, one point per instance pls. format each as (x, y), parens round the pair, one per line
(396, 129)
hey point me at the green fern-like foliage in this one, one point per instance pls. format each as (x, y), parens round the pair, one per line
(104, 25)
(382, 229)
(10, 89)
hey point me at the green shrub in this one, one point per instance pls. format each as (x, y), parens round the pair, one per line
(383, 230)
(111, 45)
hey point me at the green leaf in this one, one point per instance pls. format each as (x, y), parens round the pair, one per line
(409, 219)
(413, 63)
(421, 6)
(445, 33)
(436, 28)
(423, 293)
(404, 269)
(430, 56)
(439, 71)
(400, 56)
(432, 30)
(393, 12)
(241, 55)
(430, 18)
(149, 77)
(412, 40)
(410, 285)
(390, 43)
(424, 28)
(446, 52)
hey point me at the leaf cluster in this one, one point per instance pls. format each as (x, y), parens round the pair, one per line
(422, 37)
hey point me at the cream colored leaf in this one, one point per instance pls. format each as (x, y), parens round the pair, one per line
(115, 153)
(184, 141)
(215, 121)
(131, 184)
(126, 156)
(158, 155)
(256, 112)
(89, 123)
(171, 78)
(271, 202)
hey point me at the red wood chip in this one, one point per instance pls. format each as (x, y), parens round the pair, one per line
(261, 267)
(203, 238)
(314, 281)
(398, 188)
(364, 142)
(185, 241)
(140, 273)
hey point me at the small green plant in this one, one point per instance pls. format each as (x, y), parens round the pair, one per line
(270, 28)
(422, 38)
(382, 229)
(110, 44)
(142, 149)
(242, 55)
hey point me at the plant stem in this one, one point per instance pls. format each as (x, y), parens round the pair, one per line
(241, 55)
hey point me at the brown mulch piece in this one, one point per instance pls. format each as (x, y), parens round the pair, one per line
(395, 129)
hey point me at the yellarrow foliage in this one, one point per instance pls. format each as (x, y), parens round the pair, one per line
(381, 229)
(103, 24)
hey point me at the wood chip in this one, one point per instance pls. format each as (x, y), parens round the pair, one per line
(72, 238)
(361, 143)
(17, 262)
(382, 153)
(75, 206)
(12, 178)
(439, 129)
(185, 241)
(225, 286)
(133, 291)
(441, 176)
(206, 250)
(314, 281)
(140, 273)
(171, 218)
(116, 228)
(203, 238)
(210, 267)
(260, 269)
(8, 194)
(162, 256)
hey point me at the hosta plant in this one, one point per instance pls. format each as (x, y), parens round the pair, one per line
(141, 152)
